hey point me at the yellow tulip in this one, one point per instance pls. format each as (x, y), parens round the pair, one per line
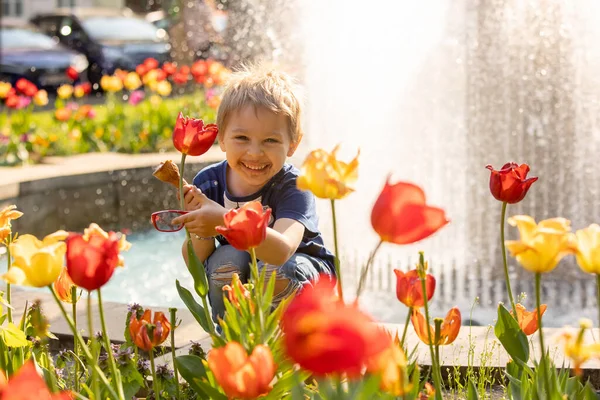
(4, 89)
(588, 249)
(163, 88)
(94, 229)
(65, 92)
(111, 83)
(40, 98)
(132, 81)
(37, 262)
(327, 177)
(78, 91)
(542, 245)
(578, 352)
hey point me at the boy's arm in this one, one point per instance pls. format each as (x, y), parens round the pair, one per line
(281, 242)
(203, 249)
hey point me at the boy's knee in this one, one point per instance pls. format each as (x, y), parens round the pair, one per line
(223, 274)
(285, 284)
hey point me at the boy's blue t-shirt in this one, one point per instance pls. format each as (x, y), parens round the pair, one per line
(281, 195)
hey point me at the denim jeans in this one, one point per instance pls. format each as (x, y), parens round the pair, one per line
(298, 271)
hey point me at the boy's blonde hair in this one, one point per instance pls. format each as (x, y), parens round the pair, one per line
(262, 86)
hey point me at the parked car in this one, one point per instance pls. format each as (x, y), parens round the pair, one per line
(110, 38)
(27, 53)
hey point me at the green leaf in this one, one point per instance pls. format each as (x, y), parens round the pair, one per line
(197, 270)
(472, 391)
(13, 336)
(196, 309)
(212, 392)
(190, 366)
(511, 336)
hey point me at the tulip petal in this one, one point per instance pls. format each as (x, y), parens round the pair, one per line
(451, 326)
(526, 226)
(16, 276)
(421, 326)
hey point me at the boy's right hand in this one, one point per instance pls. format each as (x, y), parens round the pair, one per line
(192, 197)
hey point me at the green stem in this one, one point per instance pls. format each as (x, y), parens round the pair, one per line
(111, 359)
(338, 273)
(506, 276)
(181, 200)
(82, 345)
(8, 291)
(406, 326)
(363, 273)
(598, 295)
(434, 366)
(50, 368)
(538, 284)
(254, 273)
(74, 311)
(155, 385)
(173, 321)
(95, 387)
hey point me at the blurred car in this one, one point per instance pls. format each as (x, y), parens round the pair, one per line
(27, 53)
(110, 38)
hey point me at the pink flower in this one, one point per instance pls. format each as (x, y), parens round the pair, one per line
(136, 96)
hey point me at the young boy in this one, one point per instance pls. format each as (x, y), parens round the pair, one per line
(259, 127)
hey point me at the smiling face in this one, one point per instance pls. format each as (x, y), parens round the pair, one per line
(256, 142)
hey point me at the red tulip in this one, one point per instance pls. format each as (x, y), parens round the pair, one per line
(246, 227)
(27, 384)
(150, 63)
(192, 137)
(180, 78)
(91, 263)
(141, 70)
(72, 73)
(169, 68)
(26, 87)
(409, 290)
(401, 216)
(510, 184)
(147, 333)
(324, 335)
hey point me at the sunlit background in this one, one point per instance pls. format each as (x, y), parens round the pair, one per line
(430, 92)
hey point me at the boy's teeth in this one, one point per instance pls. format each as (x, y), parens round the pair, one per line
(254, 168)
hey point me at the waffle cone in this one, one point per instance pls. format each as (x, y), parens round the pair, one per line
(168, 172)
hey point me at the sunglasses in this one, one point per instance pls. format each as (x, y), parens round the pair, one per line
(163, 220)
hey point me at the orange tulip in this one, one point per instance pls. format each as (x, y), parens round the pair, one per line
(62, 114)
(448, 331)
(147, 333)
(27, 384)
(192, 137)
(324, 335)
(63, 285)
(409, 290)
(242, 376)
(401, 216)
(528, 320)
(245, 227)
(232, 295)
(391, 365)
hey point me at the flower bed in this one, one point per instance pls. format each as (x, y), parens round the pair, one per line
(312, 345)
(135, 117)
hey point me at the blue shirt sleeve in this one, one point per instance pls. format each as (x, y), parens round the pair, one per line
(300, 206)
